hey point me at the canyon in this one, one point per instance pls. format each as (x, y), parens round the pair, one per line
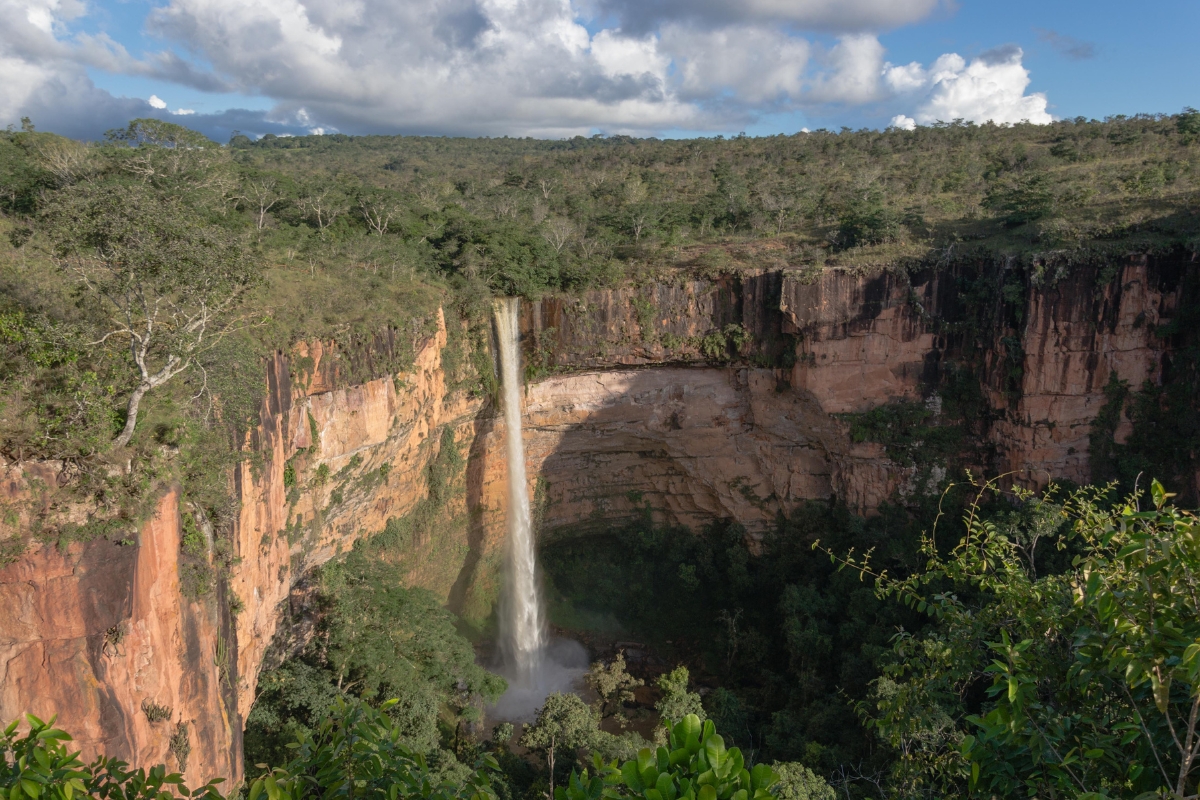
(730, 397)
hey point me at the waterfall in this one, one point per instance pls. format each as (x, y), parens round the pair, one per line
(522, 626)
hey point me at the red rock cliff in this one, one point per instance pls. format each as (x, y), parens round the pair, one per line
(700, 398)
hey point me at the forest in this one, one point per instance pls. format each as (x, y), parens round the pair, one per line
(977, 640)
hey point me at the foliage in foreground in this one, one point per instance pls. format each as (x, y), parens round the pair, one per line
(1084, 682)
(39, 764)
(359, 751)
(695, 765)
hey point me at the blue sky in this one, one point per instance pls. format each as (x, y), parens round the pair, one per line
(557, 68)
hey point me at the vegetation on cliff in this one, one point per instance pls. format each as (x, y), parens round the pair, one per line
(375, 639)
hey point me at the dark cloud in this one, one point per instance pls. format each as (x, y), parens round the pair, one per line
(461, 24)
(840, 16)
(1004, 54)
(169, 66)
(70, 105)
(1072, 48)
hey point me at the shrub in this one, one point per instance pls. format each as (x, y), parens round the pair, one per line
(694, 766)
(360, 746)
(1024, 200)
(155, 712)
(868, 220)
(41, 765)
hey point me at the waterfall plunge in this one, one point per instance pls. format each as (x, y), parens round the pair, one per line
(522, 627)
(534, 665)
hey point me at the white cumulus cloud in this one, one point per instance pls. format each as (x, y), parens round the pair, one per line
(490, 67)
(988, 88)
(904, 123)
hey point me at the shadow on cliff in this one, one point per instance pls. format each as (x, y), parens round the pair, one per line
(481, 427)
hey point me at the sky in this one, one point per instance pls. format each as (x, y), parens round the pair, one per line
(561, 68)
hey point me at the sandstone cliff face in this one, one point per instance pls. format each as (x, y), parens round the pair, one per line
(1077, 338)
(94, 632)
(698, 399)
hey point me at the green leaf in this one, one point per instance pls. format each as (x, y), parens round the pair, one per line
(629, 774)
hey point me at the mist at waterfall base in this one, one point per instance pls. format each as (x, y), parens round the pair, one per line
(533, 664)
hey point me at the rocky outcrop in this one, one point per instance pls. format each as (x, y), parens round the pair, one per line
(693, 398)
(100, 631)
(99, 634)
(1078, 337)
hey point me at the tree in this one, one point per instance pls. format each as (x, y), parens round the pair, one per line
(867, 219)
(1092, 671)
(798, 782)
(558, 233)
(158, 277)
(160, 133)
(321, 205)
(1021, 200)
(357, 751)
(386, 640)
(677, 702)
(613, 684)
(378, 209)
(694, 765)
(261, 196)
(563, 722)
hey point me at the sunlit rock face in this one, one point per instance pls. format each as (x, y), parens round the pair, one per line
(632, 402)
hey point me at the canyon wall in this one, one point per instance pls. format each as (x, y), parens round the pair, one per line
(695, 398)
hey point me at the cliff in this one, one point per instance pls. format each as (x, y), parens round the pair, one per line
(697, 398)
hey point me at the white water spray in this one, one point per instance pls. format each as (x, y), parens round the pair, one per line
(522, 624)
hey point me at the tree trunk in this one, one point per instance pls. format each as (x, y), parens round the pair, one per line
(131, 414)
(550, 763)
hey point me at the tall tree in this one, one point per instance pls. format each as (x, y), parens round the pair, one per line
(564, 722)
(157, 275)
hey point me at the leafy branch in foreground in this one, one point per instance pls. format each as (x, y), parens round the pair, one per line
(695, 765)
(1090, 674)
(39, 765)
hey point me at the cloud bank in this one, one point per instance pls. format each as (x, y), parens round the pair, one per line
(489, 67)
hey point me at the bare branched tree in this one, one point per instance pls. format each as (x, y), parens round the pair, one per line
(321, 206)
(261, 196)
(377, 211)
(64, 159)
(558, 233)
(779, 206)
(506, 206)
(163, 282)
